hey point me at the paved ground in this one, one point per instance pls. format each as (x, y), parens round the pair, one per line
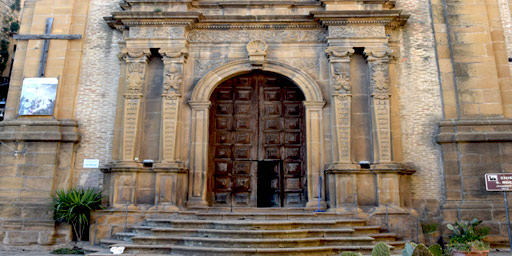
(26, 253)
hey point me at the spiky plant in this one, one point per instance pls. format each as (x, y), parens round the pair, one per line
(351, 254)
(381, 249)
(75, 207)
(421, 250)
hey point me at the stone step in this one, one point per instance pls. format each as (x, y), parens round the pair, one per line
(384, 237)
(209, 251)
(269, 216)
(254, 224)
(255, 234)
(252, 243)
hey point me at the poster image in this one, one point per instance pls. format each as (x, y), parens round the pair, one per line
(38, 96)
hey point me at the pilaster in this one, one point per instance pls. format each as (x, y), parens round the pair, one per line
(378, 60)
(314, 145)
(199, 154)
(174, 60)
(136, 64)
(341, 91)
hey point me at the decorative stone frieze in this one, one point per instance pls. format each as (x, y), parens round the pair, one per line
(378, 61)
(173, 59)
(357, 31)
(274, 36)
(341, 91)
(136, 62)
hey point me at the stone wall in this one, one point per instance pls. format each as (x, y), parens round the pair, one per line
(36, 152)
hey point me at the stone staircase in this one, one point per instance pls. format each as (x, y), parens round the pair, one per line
(276, 232)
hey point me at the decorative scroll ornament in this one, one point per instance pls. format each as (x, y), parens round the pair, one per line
(172, 78)
(257, 50)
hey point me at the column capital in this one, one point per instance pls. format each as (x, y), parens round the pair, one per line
(131, 55)
(314, 105)
(200, 105)
(340, 52)
(176, 53)
(378, 54)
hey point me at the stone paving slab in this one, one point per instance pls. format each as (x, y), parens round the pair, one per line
(46, 253)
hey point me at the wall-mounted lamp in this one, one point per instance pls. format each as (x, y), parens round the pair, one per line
(364, 164)
(147, 163)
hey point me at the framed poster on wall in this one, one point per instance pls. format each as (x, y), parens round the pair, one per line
(38, 96)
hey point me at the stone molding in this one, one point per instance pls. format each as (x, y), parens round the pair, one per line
(209, 82)
(488, 130)
(40, 130)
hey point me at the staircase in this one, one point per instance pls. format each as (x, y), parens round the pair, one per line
(275, 232)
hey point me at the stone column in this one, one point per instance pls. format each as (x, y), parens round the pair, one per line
(173, 59)
(197, 195)
(136, 62)
(379, 84)
(314, 146)
(341, 91)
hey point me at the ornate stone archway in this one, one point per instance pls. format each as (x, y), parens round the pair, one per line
(200, 105)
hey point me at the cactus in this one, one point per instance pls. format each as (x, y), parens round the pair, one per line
(421, 250)
(436, 250)
(381, 249)
(351, 254)
(409, 249)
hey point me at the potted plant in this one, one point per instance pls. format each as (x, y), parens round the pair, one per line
(467, 239)
(75, 206)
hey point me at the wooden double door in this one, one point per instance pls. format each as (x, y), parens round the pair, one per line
(257, 142)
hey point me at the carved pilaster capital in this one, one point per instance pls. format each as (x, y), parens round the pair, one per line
(171, 96)
(314, 105)
(174, 54)
(200, 105)
(134, 54)
(383, 54)
(339, 52)
(381, 95)
(132, 95)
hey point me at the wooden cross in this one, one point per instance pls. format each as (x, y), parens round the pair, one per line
(47, 36)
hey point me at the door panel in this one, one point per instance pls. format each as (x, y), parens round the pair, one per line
(257, 142)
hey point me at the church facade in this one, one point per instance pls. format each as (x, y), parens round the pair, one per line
(378, 109)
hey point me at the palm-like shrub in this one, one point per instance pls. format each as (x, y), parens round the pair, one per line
(75, 206)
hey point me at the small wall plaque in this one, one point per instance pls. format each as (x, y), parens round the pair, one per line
(91, 163)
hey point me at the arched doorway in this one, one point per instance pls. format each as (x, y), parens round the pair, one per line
(257, 142)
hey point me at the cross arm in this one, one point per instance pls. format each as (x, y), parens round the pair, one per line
(46, 37)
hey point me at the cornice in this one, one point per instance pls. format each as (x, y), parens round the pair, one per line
(385, 17)
(129, 18)
(239, 4)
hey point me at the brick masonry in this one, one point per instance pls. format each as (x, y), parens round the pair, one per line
(420, 112)
(97, 92)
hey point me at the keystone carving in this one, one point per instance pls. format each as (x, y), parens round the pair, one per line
(257, 50)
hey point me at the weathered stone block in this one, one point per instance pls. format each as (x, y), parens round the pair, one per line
(21, 238)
